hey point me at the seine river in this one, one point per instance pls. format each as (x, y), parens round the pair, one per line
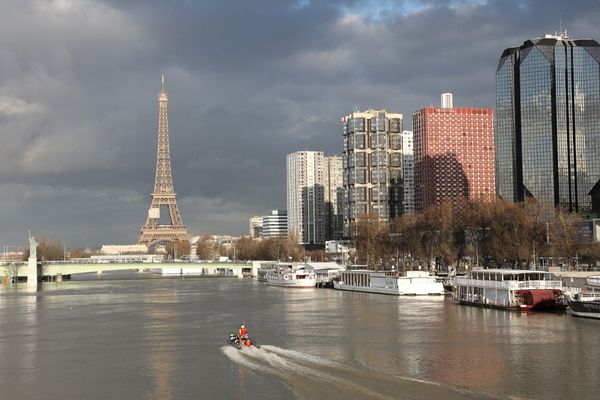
(165, 339)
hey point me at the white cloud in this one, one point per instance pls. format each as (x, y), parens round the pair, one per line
(13, 106)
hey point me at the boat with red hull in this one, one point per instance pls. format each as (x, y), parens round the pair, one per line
(519, 290)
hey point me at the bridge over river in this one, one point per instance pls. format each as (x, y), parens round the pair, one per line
(59, 269)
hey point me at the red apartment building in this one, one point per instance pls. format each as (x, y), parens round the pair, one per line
(454, 155)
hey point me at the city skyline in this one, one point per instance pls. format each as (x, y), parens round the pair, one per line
(78, 118)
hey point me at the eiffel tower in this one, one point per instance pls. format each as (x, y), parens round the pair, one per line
(163, 194)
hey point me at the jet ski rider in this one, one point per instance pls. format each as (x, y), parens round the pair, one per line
(243, 332)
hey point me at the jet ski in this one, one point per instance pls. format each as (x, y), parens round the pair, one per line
(238, 342)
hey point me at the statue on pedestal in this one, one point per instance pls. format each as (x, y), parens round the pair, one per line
(32, 247)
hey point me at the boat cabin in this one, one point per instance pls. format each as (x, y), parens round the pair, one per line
(510, 275)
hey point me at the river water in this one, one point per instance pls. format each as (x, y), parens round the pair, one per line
(165, 339)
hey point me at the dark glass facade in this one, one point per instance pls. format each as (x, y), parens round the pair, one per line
(547, 133)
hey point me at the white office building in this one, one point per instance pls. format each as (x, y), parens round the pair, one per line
(274, 225)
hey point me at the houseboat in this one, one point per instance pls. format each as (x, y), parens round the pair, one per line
(299, 276)
(510, 289)
(410, 283)
(586, 303)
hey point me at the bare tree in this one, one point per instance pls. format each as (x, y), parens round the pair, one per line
(12, 271)
(178, 248)
(47, 249)
(563, 236)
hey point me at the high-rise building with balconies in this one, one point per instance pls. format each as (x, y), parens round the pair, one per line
(372, 166)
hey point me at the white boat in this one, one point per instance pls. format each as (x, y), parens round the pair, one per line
(523, 290)
(299, 276)
(265, 268)
(587, 303)
(411, 283)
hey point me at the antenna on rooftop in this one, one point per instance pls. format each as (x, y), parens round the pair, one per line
(562, 31)
(560, 25)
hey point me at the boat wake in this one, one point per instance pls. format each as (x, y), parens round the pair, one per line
(310, 377)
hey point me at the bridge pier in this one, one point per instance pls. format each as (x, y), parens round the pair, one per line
(32, 271)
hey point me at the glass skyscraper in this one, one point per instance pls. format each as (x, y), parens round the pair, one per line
(547, 133)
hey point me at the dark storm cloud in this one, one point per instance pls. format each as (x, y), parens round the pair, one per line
(248, 83)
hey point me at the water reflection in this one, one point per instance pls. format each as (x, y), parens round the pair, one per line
(159, 334)
(163, 339)
(19, 336)
(30, 338)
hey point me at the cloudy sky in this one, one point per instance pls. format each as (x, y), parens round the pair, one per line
(248, 83)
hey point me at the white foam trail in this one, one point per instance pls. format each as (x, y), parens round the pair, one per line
(301, 356)
(310, 376)
(236, 356)
(291, 366)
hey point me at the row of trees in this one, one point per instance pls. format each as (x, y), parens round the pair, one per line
(245, 249)
(498, 234)
(47, 249)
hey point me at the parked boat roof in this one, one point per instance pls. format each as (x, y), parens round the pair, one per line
(510, 271)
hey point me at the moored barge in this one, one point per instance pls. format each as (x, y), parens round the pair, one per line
(522, 290)
(410, 283)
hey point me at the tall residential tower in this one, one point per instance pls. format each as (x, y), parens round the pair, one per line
(372, 166)
(408, 171)
(334, 197)
(454, 155)
(305, 197)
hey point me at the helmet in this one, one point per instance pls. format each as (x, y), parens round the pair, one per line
(243, 326)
